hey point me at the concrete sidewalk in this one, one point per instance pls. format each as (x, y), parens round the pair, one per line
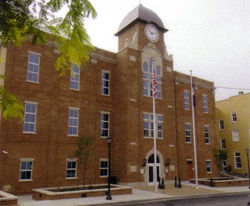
(139, 194)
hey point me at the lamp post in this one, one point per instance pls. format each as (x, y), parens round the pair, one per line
(109, 139)
(247, 153)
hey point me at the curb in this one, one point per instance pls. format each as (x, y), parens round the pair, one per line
(135, 202)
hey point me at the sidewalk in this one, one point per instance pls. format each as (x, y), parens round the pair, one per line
(139, 194)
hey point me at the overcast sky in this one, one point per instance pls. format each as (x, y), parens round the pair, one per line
(209, 37)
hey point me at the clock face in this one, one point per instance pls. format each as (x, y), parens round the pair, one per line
(152, 32)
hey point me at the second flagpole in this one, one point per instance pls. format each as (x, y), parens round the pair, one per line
(194, 130)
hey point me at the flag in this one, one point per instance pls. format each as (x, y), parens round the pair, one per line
(154, 86)
(193, 95)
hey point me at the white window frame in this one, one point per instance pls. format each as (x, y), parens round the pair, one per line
(147, 80)
(224, 164)
(26, 170)
(187, 130)
(149, 125)
(204, 103)
(235, 135)
(106, 83)
(74, 169)
(223, 144)
(234, 116)
(105, 122)
(186, 99)
(103, 168)
(28, 115)
(237, 159)
(75, 78)
(73, 119)
(209, 166)
(206, 134)
(33, 64)
(221, 124)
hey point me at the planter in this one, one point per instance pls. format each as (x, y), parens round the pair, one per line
(78, 192)
(222, 182)
(7, 199)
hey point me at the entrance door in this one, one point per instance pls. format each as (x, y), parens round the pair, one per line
(151, 169)
(190, 169)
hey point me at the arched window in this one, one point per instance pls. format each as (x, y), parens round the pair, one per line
(151, 159)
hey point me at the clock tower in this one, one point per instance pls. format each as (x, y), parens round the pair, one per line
(142, 50)
(140, 27)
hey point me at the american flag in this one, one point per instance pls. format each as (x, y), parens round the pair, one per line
(154, 86)
(193, 95)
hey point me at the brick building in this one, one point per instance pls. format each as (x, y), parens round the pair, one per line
(110, 96)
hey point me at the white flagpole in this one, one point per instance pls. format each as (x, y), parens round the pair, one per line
(194, 131)
(154, 122)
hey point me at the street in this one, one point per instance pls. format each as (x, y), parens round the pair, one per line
(232, 200)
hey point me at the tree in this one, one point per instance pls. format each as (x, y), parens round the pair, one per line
(40, 20)
(219, 156)
(9, 104)
(83, 153)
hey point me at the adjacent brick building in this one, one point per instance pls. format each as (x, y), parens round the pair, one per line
(110, 96)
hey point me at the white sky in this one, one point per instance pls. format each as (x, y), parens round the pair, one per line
(209, 37)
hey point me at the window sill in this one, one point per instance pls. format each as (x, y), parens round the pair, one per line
(103, 177)
(29, 133)
(71, 178)
(106, 95)
(31, 180)
(72, 135)
(74, 89)
(32, 82)
(153, 138)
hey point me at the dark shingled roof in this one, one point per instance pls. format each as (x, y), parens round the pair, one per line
(141, 13)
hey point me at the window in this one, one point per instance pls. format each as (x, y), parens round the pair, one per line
(105, 124)
(105, 83)
(30, 112)
(149, 125)
(204, 103)
(147, 80)
(73, 121)
(188, 132)
(234, 117)
(186, 99)
(33, 67)
(206, 134)
(71, 169)
(237, 160)
(223, 143)
(104, 168)
(26, 166)
(235, 135)
(224, 165)
(208, 166)
(75, 78)
(221, 124)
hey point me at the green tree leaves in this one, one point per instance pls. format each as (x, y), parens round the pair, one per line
(42, 20)
(10, 105)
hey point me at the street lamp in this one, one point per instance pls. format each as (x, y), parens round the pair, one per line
(247, 152)
(109, 139)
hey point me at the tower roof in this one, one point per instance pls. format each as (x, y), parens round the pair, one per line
(143, 14)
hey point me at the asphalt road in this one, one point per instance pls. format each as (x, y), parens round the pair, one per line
(232, 200)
